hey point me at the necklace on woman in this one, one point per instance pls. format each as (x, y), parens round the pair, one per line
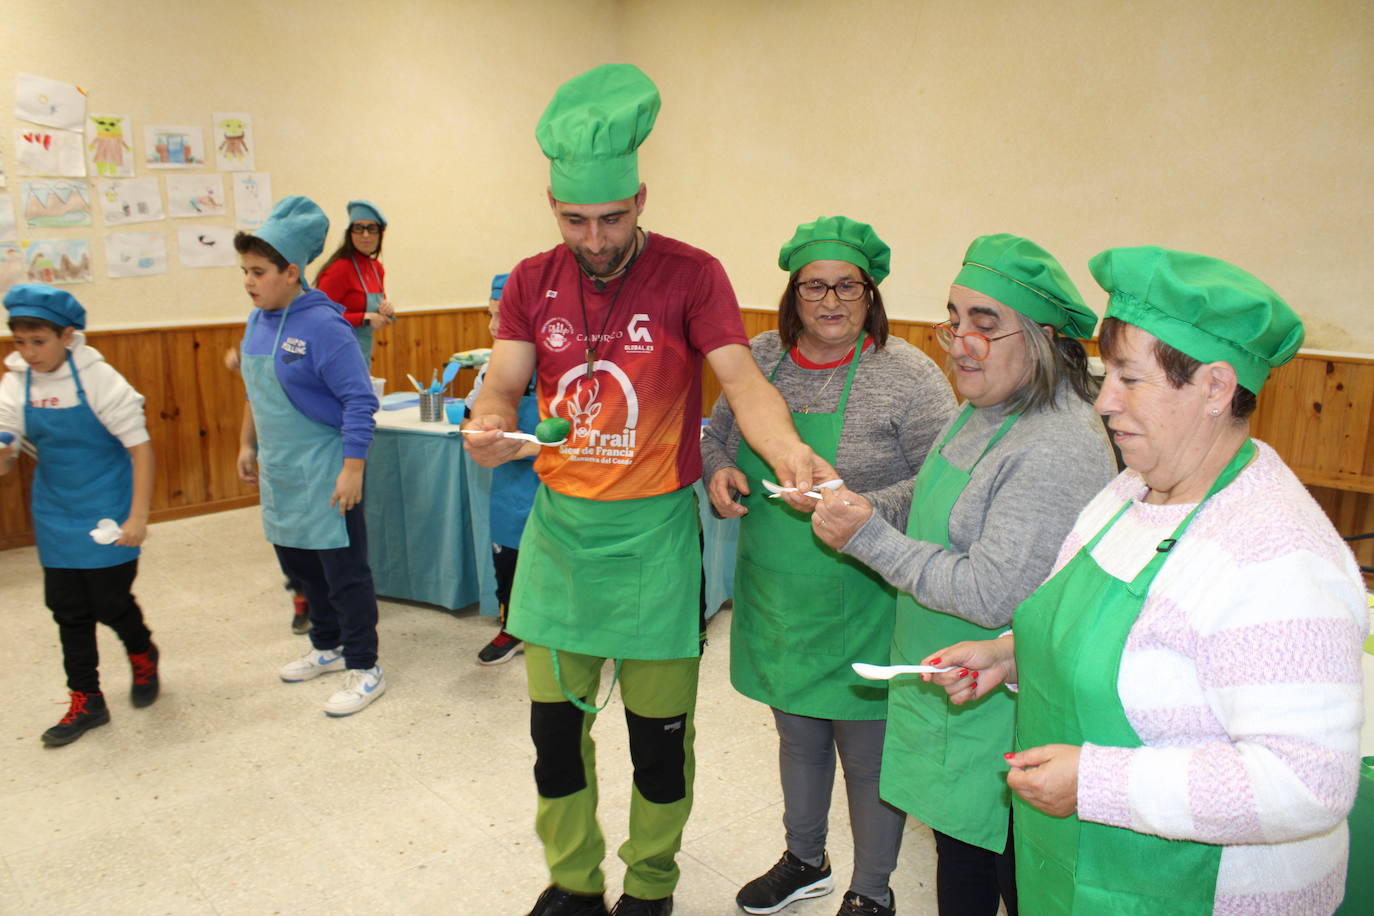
(844, 361)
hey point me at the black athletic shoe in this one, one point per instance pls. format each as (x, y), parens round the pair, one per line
(788, 881)
(859, 905)
(145, 687)
(502, 648)
(557, 902)
(87, 711)
(638, 906)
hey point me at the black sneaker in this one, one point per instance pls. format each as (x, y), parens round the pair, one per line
(638, 906)
(145, 687)
(557, 902)
(855, 904)
(300, 615)
(786, 882)
(502, 648)
(87, 711)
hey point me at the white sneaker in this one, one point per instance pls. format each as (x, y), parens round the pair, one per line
(361, 686)
(313, 664)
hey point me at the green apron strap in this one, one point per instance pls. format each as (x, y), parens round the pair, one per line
(580, 704)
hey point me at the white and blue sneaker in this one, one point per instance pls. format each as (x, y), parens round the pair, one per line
(361, 686)
(312, 664)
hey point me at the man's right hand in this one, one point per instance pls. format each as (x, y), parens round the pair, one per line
(490, 448)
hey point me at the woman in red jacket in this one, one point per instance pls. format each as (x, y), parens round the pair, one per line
(355, 278)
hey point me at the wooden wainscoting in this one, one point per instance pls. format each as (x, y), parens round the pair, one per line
(195, 405)
(1317, 411)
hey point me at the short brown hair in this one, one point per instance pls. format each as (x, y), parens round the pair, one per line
(1179, 368)
(30, 323)
(790, 323)
(251, 244)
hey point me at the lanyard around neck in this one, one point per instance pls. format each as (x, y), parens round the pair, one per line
(605, 322)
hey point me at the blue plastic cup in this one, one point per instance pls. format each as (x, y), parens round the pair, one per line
(456, 411)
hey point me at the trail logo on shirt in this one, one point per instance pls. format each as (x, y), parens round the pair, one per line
(638, 332)
(580, 400)
(294, 348)
(557, 334)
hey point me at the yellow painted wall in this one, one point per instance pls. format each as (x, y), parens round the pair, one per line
(426, 107)
(1240, 129)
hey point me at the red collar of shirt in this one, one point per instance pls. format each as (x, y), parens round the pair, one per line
(805, 363)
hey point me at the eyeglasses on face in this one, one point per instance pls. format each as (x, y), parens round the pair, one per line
(365, 229)
(976, 345)
(845, 290)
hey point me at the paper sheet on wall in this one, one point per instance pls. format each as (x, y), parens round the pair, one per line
(49, 152)
(56, 203)
(11, 264)
(195, 195)
(45, 101)
(135, 254)
(207, 246)
(109, 145)
(7, 227)
(170, 146)
(128, 200)
(57, 261)
(2, 163)
(252, 199)
(234, 143)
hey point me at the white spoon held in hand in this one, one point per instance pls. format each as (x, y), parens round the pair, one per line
(775, 491)
(888, 672)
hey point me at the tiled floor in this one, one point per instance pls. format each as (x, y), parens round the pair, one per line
(235, 794)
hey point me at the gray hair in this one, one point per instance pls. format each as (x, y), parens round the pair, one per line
(1052, 361)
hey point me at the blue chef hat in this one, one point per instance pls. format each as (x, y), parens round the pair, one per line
(37, 300)
(296, 227)
(498, 283)
(365, 209)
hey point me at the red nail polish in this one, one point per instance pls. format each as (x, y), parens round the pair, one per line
(963, 672)
(1008, 756)
(935, 661)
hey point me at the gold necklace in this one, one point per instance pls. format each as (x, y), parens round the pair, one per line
(811, 401)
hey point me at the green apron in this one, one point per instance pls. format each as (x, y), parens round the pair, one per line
(804, 612)
(939, 760)
(610, 578)
(1070, 634)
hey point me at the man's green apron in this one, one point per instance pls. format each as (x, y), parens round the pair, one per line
(939, 760)
(610, 578)
(804, 612)
(1070, 635)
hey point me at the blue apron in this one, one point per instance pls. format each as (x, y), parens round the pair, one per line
(374, 301)
(84, 475)
(299, 459)
(514, 483)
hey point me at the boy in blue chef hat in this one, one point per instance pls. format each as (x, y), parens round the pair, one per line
(513, 485)
(306, 431)
(95, 462)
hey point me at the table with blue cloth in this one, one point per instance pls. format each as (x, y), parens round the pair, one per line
(427, 505)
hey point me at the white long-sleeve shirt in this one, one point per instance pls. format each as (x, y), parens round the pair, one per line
(117, 405)
(1242, 678)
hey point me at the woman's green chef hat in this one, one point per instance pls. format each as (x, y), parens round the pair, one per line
(592, 130)
(365, 209)
(296, 227)
(1204, 307)
(1021, 275)
(837, 238)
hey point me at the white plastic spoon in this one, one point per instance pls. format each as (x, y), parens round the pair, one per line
(888, 672)
(774, 491)
(525, 436)
(106, 531)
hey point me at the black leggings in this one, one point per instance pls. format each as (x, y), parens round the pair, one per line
(969, 879)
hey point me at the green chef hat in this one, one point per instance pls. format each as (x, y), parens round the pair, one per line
(1021, 275)
(592, 130)
(1206, 308)
(837, 238)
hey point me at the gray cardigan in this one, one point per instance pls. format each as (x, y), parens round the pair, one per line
(899, 401)
(1008, 524)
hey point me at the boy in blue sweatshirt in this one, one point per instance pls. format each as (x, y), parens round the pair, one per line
(306, 432)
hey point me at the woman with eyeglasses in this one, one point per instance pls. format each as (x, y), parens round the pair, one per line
(355, 278)
(991, 505)
(871, 406)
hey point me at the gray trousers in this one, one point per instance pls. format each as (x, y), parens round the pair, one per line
(806, 761)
